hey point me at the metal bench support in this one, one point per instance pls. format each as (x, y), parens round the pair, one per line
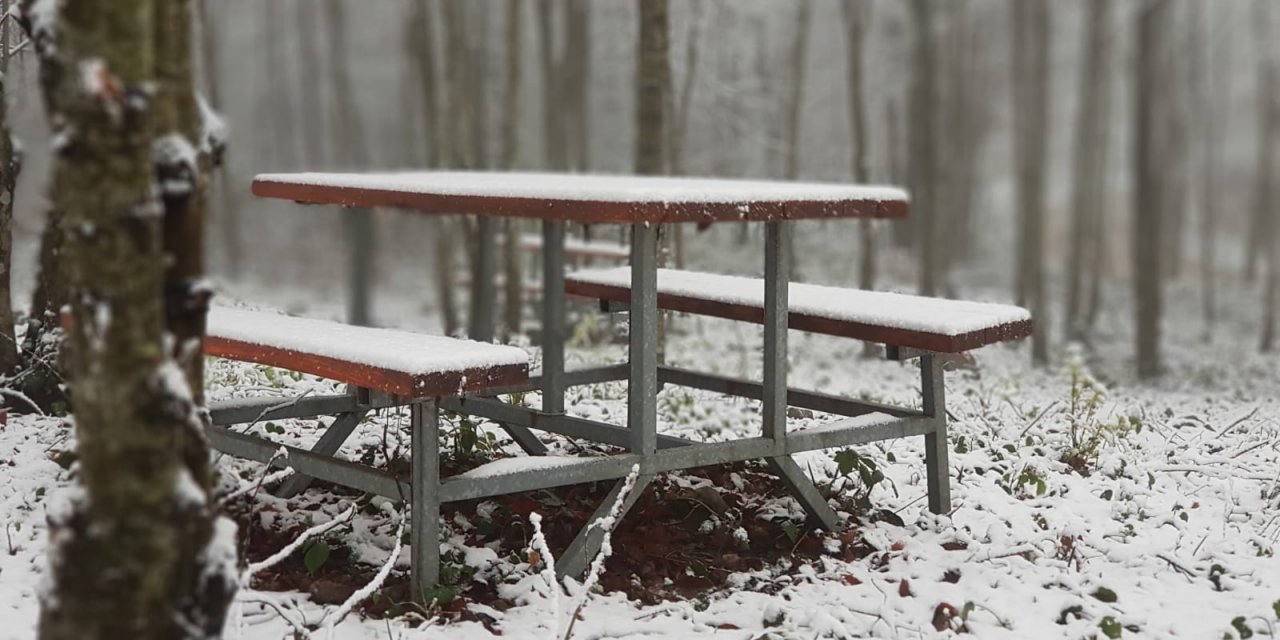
(585, 546)
(328, 444)
(935, 443)
(424, 538)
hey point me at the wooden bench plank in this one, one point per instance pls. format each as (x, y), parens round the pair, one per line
(577, 247)
(406, 364)
(929, 324)
(587, 198)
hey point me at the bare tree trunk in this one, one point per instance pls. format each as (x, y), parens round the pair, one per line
(653, 104)
(1212, 92)
(136, 554)
(278, 108)
(310, 70)
(857, 18)
(578, 82)
(513, 277)
(553, 125)
(10, 165)
(1255, 250)
(1090, 156)
(684, 102)
(227, 206)
(349, 130)
(1031, 117)
(1266, 211)
(678, 138)
(1152, 24)
(42, 344)
(924, 164)
(794, 111)
(438, 145)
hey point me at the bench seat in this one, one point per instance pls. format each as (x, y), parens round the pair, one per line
(578, 247)
(929, 324)
(406, 364)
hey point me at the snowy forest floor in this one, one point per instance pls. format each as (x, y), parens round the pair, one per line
(1085, 504)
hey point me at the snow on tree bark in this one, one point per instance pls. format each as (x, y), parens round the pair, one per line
(131, 556)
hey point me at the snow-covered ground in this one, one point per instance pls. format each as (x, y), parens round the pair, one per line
(1081, 509)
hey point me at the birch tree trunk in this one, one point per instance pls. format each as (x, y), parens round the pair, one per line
(1151, 25)
(137, 551)
(1031, 118)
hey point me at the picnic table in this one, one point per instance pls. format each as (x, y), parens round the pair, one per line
(909, 326)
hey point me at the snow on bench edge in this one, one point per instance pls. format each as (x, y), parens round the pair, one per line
(412, 353)
(508, 466)
(879, 308)
(593, 187)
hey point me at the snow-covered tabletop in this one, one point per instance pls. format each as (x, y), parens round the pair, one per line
(587, 197)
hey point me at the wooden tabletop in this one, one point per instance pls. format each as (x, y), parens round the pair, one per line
(587, 198)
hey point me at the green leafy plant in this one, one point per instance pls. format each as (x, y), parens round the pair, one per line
(1110, 627)
(315, 555)
(856, 471)
(1241, 627)
(1020, 484)
(1087, 432)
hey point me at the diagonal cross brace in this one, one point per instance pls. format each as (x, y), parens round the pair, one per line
(585, 546)
(804, 491)
(328, 444)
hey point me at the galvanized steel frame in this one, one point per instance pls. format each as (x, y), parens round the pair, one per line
(654, 453)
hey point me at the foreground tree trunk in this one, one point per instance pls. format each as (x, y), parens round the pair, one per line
(135, 552)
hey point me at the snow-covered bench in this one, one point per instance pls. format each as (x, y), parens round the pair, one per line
(384, 368)
(580, 248)
(893, 319)
(909, 326)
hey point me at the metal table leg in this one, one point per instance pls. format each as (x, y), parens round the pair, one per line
(553, 320)
(424, 537)
(483, 292)
(936, 449)
(777, 282)
(642, 391)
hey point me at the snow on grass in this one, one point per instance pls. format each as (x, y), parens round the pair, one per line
(1172, 532)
